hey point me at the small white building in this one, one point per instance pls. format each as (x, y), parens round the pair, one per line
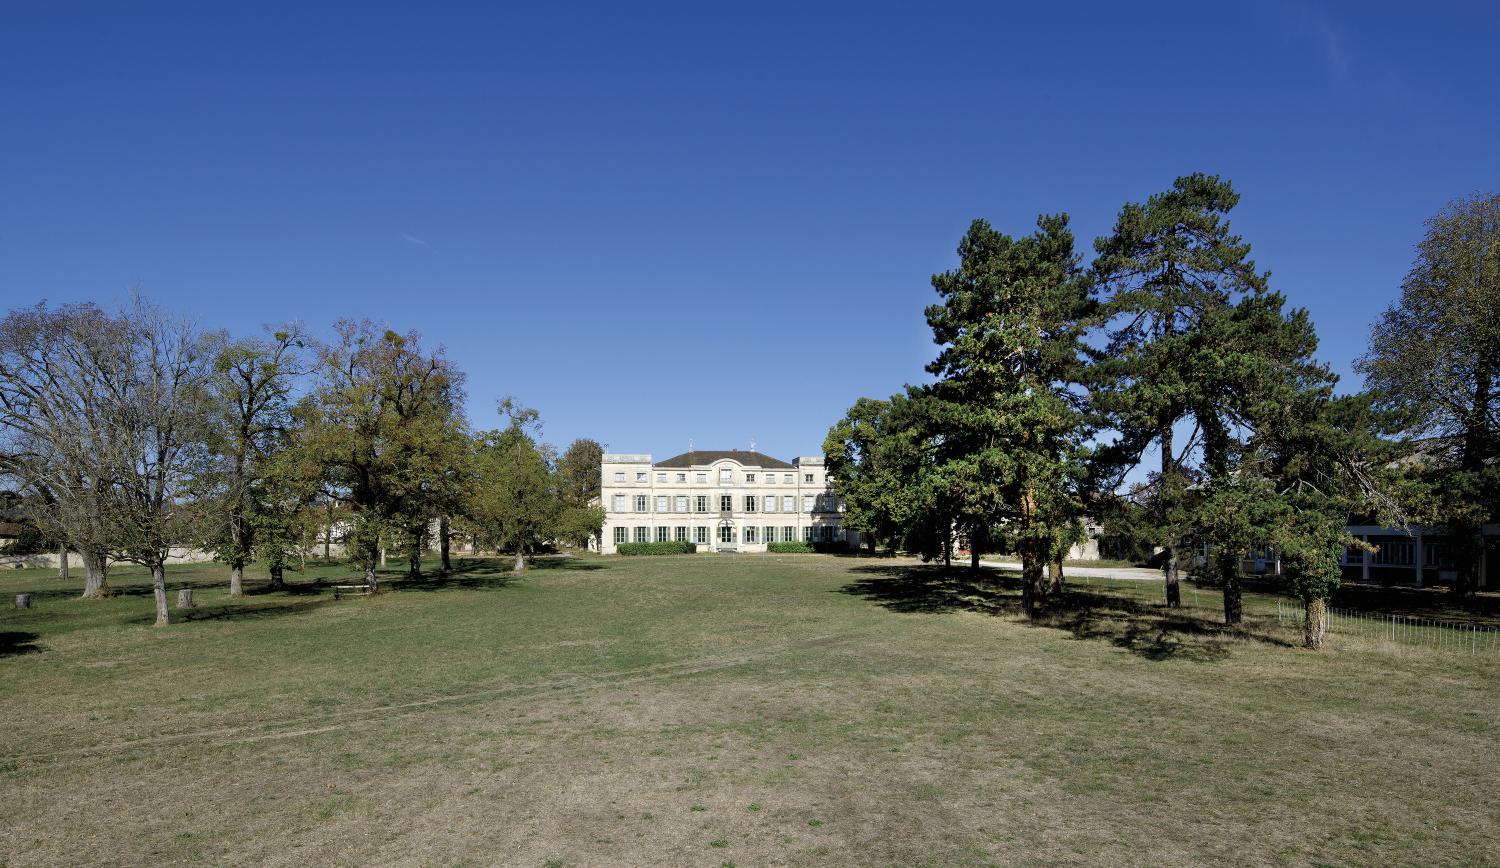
(722, 500)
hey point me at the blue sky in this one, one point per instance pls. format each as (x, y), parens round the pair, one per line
(657, 222)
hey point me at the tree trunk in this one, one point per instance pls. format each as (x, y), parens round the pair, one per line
(328, 534)
(159, 590)
(382, 556)
(1033, 584)
(277, 581)
(184, 598)
(1173, 577)
(443, 544)
(237, 579)
(23, 601)
(1055, 576)
(948, 549)
(1229, 573)
(95, 575)
(1315, 625)
(414, 560)
(520, 566)
(62, 564)
(974, 559)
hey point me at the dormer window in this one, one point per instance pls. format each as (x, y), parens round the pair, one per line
(726, 475)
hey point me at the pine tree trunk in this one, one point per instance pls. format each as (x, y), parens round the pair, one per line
(237, 579)
(443, 544)
(62, 564)
(95, 575)
(1315, 625)
(1229, 573)
(1033, 583)
(520, 566)
(159, 590)
(1173, 576)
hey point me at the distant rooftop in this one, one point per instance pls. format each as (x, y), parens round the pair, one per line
(708, 456)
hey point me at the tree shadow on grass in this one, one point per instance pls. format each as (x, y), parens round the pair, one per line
(1151, 631)
(231, 612)
(487, 573)
(17, 642)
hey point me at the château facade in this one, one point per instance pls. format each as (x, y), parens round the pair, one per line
(721, 500)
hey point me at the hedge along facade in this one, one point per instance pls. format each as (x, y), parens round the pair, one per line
(721, 500)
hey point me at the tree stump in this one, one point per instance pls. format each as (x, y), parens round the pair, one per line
(185, 598)
(23, 601)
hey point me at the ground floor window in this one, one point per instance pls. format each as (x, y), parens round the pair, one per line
(789, 534)
(662, 533)
(642, 534)
(827, 533)
(807, 534)
(750, 535)
(726, 534)
(702, 534)
(770, 531)
(682, 534)
(621, 535)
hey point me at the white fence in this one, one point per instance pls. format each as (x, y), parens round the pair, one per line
(1402, 630)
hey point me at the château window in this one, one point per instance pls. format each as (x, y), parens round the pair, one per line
(701, 505)
(682, 503)
(619, 476)
(640, 503)
(749, 477)
(642, 534)
(750, 534)
(807, 503)
(770, 503)
(640, 476)
(807, 478)
(789, 534)
(726, 475)
(682, 477)
(787, 478)
(702, 534)
(619, 503)
(749, 504)
(682, 534)
(621, 535)
(726, 534)
(788, 504)
(726, 503)
(770, 533)
(700, 477)
(661, 503)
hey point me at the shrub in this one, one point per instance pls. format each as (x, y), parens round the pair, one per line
(657, 548)
(787, 548)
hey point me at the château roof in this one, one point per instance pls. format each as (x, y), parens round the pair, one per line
(700, 457)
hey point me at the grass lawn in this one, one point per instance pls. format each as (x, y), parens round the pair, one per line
(718, 710)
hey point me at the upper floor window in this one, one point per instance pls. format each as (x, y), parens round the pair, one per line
(788, 504)
(661, 477)
(661, 503)
(807, 478)
(702, 503)
(640, 476)
(681, 503)
(749, 477)
(640, 503)
(770, 503)
(749, 503)
(726, 475)
(807, 503)
(726, 503)
(619, 476)
(619, 503)
(682, 477)
(700, 477)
